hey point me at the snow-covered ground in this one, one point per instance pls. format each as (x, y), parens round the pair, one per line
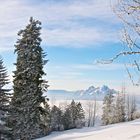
(121, 131)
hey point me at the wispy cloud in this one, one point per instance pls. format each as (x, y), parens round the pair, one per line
(79, 37)
(88, 67)
(61, 25)
(79, 84)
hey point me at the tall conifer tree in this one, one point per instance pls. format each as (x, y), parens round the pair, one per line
(74, 116)
(56, 119)
(27, 98)
(80, 121)
(4, 102)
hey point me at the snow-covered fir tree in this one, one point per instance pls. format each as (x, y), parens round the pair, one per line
(5, 132)
(108, 109)
(74, 113)
(74, 116)
(80, 121)
(27, 97)
(56, 119)
(67, 119)
(120, 108)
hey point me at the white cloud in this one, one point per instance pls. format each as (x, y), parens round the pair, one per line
(78, 37)
(79, 84)
(15, 14)
(105, 67)
(80, 76)
(5, 48)
(90, 8)
(87, 67)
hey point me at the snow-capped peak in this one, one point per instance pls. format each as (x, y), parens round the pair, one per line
(99, 90)
(90, 89)
(104, 89)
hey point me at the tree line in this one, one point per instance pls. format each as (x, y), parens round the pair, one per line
(119, 108)
(25, 114)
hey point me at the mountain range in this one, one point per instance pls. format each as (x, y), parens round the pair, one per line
(87, 94)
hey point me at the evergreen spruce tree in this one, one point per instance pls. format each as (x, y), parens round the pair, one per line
(108, 110)
(74, 116)
(68, 119)
(27, 97)
(74, 113)
(56, 119)
(80, 121)
(4, 103)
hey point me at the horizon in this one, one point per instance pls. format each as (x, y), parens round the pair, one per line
(75, 34)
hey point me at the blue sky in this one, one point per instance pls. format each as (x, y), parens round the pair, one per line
(75, 34)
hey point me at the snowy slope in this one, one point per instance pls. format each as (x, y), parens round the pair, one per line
(122, 131)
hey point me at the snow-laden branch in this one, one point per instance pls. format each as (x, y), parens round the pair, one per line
(117, 56)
